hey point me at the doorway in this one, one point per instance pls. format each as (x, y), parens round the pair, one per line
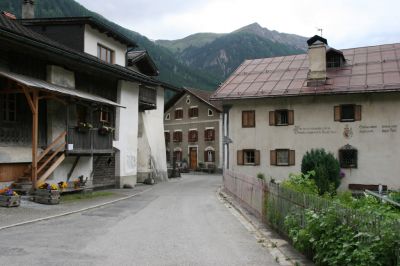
(193, 157)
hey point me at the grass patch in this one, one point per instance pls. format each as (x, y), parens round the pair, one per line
(84, 196)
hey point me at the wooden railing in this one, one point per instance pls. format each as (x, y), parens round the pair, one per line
(89, 142)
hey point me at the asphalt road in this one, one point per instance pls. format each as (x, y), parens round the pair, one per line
(181, 222)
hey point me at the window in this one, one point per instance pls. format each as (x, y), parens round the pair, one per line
(178, 113)
(210, 112)
(333, 60)
(248, 119)
(167, 116)
(188, 100)
(248, 157)
(193, 135)
(177, 156)
(8, 107)
(105, 54)
(348, 156)
(193, 112)
(104, 115)
(177, 137)
(168, 156)
(281, 118)
(167, 136)
(209, 134)
(209, 156)
(347, 113)
(282, 157)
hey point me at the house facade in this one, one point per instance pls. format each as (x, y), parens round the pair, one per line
(71, 103)
(347, 102)
(193, 130)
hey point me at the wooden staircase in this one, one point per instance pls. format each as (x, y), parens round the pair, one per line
(47, 162)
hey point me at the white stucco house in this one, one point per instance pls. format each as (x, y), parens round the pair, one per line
(83, 73)
(345, 101)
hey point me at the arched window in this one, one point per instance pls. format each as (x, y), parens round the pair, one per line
(209, 155)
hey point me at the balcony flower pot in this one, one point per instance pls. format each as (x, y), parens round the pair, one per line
(105, 130)
(9, 198)
(84, 127)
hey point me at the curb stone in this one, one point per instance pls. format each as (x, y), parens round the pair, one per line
(278, 248)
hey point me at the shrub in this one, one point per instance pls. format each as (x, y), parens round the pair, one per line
(261, 176)
(326, 167)
(302, 183)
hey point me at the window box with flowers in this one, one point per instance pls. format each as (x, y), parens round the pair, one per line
(84, 127)
(9, 198)
(47, 194)
(106, 130)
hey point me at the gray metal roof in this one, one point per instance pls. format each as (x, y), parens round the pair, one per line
(56, 89)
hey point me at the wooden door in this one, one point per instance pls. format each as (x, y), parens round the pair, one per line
(193, 158)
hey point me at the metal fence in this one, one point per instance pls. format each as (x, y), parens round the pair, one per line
(249, 190)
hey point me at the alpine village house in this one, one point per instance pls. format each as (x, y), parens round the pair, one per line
(345, 101)
(76, 99)
(193, 130)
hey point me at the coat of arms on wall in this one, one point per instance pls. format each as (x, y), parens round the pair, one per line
(347, 132)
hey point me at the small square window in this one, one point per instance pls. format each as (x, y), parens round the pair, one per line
(178, 114)
(167, 116)
(282, 157)
(248, 119)
(249, 157)
(193, 112)
(210, 112)
(347, 112)
(282, 117)
(104, 115)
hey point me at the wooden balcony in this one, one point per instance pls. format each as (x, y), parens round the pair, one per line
(147, 98)
(89, 141)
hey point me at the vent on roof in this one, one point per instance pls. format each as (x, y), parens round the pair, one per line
(317, 60)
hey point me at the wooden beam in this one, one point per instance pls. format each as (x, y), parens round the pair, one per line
(53, 144)
(58, 150)
(50, 170)
(29, 98)
(35, 128)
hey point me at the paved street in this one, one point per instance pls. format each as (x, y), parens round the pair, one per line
(181, 222)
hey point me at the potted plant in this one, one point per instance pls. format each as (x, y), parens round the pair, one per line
(84, 127)
(9, 198)
(105, 130)
(47, 194)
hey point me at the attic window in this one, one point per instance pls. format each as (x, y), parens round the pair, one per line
(105, 54)
(334, 59)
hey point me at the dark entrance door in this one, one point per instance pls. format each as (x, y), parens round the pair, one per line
(193, 158)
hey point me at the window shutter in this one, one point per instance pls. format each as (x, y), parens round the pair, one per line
(337, 113)
(213, 156)
(290, 117)
(273, 157)
(257, 157)
(357, 113)
(245, 121)
(292, 158)
(212, 132)
(206, 134)
(240, 160)
(206, 156)
(252, 119)
(272, 118)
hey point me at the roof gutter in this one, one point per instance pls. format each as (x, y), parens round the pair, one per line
(138, 76)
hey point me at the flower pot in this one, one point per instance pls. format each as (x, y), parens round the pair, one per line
(47, 196)
(10, 201)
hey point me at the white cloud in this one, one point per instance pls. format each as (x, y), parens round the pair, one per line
(345, 23)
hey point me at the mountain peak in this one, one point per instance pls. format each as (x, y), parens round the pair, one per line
(253, 27)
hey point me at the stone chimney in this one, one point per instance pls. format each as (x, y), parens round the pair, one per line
(28, 9)
(316, 61)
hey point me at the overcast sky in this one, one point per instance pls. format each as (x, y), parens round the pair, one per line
(345, 23)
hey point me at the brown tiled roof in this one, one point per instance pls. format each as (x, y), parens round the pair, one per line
(205, 96)
(367, 69)
(200, 94)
